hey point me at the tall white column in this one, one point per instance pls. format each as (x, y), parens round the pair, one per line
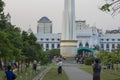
(69, 20)
(68, 45)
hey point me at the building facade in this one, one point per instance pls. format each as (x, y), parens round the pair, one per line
(86, 36)
(44, 26)
(49, 41)
(110, 40)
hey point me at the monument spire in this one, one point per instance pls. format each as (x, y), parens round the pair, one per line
(69, 18)
(68, 45)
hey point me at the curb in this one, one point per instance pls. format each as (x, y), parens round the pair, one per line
(42, 74)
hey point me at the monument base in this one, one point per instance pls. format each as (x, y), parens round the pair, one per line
(68, 48)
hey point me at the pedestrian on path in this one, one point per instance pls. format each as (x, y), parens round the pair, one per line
(96, 70)
(9, 74)
(34, 65)
(59, 64)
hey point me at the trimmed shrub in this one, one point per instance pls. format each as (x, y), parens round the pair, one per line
(87, 61)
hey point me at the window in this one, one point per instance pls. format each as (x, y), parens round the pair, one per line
(53, 39)
(41, 39)
(58, 45)
(102, 39)
(52, 45)
(107, 39)
(87, 45)
(107, 46)
(102, 46)
(118, 39)
(113, 46)
(80, 45)
(58, 39)
(47, 45)
(113, 39)
(47, 39)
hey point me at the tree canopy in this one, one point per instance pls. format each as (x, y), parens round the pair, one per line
(111, 6)
(16, 44)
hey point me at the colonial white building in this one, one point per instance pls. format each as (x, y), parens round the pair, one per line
(87, 36)
(49, 41)
(110, 40)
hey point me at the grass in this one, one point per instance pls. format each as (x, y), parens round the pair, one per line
(1, 75)
(52, 75)
(29, 72)
(105, 74)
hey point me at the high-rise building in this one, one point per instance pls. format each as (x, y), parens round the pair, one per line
(44, 26)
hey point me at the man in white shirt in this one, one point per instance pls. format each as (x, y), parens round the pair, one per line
(59, 64)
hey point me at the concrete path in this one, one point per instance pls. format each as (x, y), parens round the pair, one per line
(74, 73)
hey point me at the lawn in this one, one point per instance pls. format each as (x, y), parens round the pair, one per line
(1, 75)
(52, 75)
(25, 74)
(105, 74)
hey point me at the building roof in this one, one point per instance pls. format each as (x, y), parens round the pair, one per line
(44, 19)
(29, 30)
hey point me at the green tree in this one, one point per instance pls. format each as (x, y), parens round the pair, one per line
(1, 6)
(13, 43)
(31, 49)
(111, 6)
(5, 46)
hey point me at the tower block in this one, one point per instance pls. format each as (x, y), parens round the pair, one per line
(68, 44)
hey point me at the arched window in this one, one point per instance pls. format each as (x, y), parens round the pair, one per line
(52, 45)
(53, 39)
(107, 46)
(58, 45)
(87, 45)
(58, 39)
(113, 46)
(41, 39)
(80, 45)
(102, 46)
(47, 45)
(47, 39)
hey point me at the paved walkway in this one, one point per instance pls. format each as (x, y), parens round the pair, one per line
(74, 73)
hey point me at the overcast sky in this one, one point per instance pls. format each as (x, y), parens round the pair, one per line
(26, 13)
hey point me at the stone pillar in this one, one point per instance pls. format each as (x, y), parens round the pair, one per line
(68, 48)
(69, 20)
(44, 46)
(68, 44)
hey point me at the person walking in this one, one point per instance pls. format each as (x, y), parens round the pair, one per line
(35, 65)
(9, 74)
(59, 64)
(96, 70)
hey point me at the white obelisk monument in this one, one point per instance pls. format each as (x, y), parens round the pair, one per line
(68, 45)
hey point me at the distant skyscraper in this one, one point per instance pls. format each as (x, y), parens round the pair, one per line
(44, 26)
